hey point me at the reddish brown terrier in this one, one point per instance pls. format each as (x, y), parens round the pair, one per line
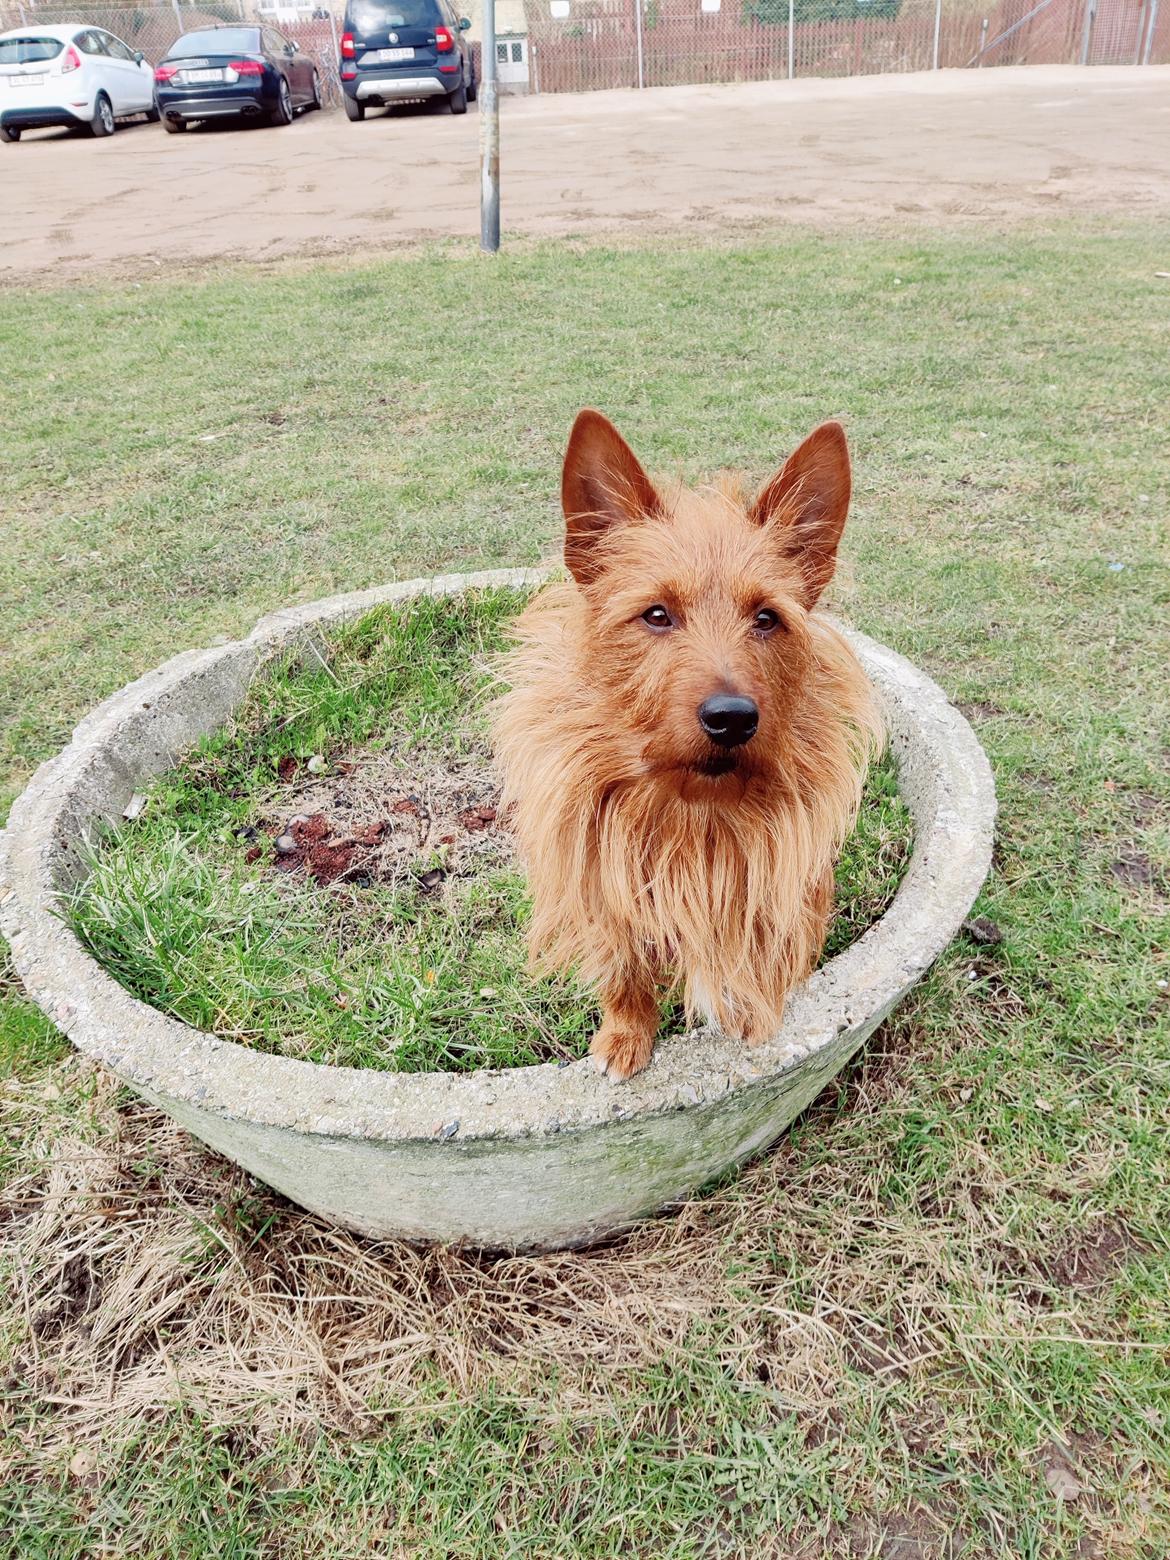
(684, 739)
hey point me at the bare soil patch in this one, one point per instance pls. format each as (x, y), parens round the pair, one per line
(1011, 146)
(1095, 1257)
(379, 818)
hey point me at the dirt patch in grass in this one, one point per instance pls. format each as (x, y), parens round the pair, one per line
(1134, 870)
(384, 819)
(1095, 1257)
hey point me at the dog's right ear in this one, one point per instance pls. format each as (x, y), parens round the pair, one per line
(602, 485)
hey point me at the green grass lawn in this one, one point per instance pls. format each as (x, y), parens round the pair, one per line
(935, 1320)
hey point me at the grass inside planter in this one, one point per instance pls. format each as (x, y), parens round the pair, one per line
(389, 929)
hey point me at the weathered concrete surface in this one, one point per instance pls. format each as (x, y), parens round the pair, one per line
(526, 1158)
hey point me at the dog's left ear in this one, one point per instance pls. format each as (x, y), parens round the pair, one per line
(805, 504)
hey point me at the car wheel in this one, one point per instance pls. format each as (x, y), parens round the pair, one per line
(353, 109)
(315, 100)
(152, 114)
(102, 122)
(283, 112)
(472, 87)
(174, 126)
(458, 100)
(9, 132)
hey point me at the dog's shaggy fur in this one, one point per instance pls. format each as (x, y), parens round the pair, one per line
(656, 855)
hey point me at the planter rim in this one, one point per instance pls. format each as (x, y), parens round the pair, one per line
(953, 801)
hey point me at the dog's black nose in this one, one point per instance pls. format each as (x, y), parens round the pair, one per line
(729, 719)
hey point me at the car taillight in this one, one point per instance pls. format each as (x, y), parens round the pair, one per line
(348, 52)
(444, 40)
(349, 73)
(72, 60)
(246, 67)
(165, 73)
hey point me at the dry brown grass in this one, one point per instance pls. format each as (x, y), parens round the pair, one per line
(153, 1273)
(150, 1272)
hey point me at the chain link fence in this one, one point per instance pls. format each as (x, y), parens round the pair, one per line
(580, 45)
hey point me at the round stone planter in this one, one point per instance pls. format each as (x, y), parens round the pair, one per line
(530, 1158)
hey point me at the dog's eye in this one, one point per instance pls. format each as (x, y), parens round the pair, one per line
(657, 617)
(766, 621)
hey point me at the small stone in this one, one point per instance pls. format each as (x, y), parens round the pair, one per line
(50, 1092)
(690, 1094)
(447, 1131)
(285, 844)
(487, 991)
(552, 1125)
(82, 1464)
(63, 1012)
(317, 764)
(1043, 1105)
(966, 1094)
(134, 807)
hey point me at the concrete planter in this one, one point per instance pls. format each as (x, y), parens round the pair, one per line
(530, 1158)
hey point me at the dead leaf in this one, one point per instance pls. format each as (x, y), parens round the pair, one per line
(1063, 1482)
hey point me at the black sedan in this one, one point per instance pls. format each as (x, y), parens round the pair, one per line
(252, 72)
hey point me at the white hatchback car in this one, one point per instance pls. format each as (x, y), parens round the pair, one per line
(75, 76)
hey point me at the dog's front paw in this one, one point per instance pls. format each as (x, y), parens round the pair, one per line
(620, 1053)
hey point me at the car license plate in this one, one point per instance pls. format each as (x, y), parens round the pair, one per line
(27, 81)
(203, 75)
(395, 54)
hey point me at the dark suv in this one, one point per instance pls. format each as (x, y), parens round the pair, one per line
(393, 51)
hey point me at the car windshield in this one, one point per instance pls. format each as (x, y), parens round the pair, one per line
(218, 40)
(373, 16)
(26, 51)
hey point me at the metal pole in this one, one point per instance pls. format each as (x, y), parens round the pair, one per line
(1150, 25)
(638, 31)
(937, 29)
(336, 44)
(791, 40)
(982, 42)
(1086, 35)
(179, 17)
(489, 137)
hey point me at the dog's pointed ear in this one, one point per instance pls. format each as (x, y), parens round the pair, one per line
(602, 485)
(806, 503)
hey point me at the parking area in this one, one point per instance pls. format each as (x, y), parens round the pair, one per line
(1005, 144)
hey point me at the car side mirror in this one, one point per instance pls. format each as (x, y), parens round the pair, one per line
(139, 57)
(294, 47)
(464, 23)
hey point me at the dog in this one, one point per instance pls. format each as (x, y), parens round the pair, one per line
(683, 739)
